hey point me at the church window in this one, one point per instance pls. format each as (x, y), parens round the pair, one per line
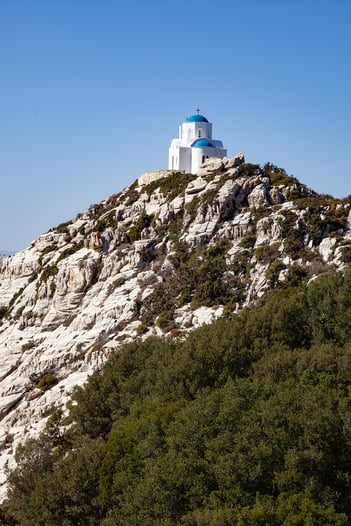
(199, 133)
(203, 158)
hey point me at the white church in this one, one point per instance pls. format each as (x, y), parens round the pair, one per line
(194, 145)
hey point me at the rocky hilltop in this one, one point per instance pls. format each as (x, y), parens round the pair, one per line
(169, 253)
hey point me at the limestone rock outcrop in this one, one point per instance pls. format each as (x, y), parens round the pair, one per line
(88, 286)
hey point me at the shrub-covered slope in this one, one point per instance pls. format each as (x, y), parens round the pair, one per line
(171, 252)
(245, 422)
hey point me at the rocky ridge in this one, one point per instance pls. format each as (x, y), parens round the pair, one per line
(169, 253)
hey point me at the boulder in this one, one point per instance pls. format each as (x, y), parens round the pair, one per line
(233, 162)
(210, 166)
(258, 197)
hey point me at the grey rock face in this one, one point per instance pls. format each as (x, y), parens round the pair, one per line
(79, 291)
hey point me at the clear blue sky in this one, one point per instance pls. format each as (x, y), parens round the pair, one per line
(93, 91)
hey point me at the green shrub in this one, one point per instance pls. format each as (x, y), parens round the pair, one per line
(166, 321)
(293, 232)
(144, 221)
(117, 283)
(72, 249)
(15, 298)
(267, 253)
(273, 271)
(132, 194)
(48, 271)
(227, 213)
(62, 228)
(241, 264)
(278, 176)
(108, 221)
(345, 255)
(47, 250)
(246, 421)
(192, 207)
(29, 345)
(171, 185)
(249, 169)
(47, 381)
(296, 275)
(158, 304)
(248, 241)
(278, 179)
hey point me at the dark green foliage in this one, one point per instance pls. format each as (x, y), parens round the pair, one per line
(47, 381)
(144, 221)
(241, 264)
(273, 271)
(293, 231)
(65, 488)
(3, 312)
(278, 176)
(202, 276)
(171, 185)
(346, 254)
(322, 215)
(158, 304)
(267, 253)
(192, 207)
(114, 199)
(246, 422)
(6, 517)
(62, 228)
(108, 221)
(295, 275)
(15, 297)
(248, 169)
(331, 221)
(47, 250)
(48, 272)
(248, 241)
(71, 249)
(227, 213)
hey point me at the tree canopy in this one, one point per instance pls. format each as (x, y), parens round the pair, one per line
(245, 422)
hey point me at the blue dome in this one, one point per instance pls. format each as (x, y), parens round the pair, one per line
(202, 143)
(197, 118)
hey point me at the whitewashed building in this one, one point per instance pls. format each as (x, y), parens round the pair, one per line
(194, 145)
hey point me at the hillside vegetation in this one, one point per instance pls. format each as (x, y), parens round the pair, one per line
(247, 421)
(166, 255)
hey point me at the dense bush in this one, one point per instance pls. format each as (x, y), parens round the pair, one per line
(171, 185)
(47, 381)
(249, 169)
(144, 221)
(246, 422)
(273, 272)
(48, 271)
(248, 241)
(293, 231)
(278, 176)
(107, 221)
(267, 253)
